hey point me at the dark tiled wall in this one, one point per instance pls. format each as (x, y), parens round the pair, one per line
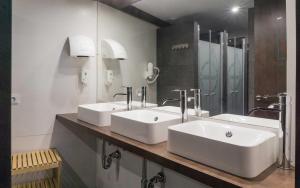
(178, 68)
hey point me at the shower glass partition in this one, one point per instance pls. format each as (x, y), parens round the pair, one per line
(236, 76)
(222, 72)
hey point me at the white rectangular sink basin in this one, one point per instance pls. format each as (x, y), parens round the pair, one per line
(240, 151)
(99, 113)
(264, 124)
(147, 126)
(174, 109)
(135, 104)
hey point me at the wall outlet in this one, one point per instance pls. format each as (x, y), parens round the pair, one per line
(84, 76)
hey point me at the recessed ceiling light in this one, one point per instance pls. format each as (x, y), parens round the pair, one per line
(235, 9)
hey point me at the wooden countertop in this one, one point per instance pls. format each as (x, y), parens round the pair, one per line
(271, 178)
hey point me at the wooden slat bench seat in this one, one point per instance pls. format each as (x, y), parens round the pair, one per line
(36, 161)
(45, 183)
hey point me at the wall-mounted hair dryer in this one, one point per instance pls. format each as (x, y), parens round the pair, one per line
(152, 73)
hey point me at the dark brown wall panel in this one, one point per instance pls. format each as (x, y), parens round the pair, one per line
(270, 47)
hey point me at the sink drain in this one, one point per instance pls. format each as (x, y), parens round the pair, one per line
(228, 134)
(156, 118)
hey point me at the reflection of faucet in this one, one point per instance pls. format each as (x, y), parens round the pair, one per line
(144, 96)
(269, 109)
(129, 97)
(197, 101)
(183, 104)
(281, 108)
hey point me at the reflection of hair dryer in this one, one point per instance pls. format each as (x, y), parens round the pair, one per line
(152, 73)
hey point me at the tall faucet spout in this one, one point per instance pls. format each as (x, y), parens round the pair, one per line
(117, 94)
(281, 107)
(129, 97)
(183, 104)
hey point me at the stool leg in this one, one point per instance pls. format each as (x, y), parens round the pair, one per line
(57, 176)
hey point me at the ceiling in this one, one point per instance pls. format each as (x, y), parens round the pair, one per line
(209, 13)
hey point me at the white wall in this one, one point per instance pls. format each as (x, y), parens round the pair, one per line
(44, 75)
(139, 39)
(291, 64)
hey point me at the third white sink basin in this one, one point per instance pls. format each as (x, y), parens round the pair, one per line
(147, 126)
(241, 151)
(264, 124)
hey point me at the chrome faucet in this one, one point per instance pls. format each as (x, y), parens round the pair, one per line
(129, 97)
(183, 104)
(197, 101)
(280, 107)
(144, 96)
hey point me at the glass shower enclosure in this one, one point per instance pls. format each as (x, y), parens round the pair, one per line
(222, 72)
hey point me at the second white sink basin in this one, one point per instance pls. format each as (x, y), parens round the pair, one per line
(177, 110)
(241, 151)
(146, 126)
(99, 113)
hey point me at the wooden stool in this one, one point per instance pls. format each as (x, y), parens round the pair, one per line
(36, 161)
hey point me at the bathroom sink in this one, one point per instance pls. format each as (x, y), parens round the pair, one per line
(135, 104)
(99, 113)
(147, 126)
(174, 109)
(264, 124)
(240, 151)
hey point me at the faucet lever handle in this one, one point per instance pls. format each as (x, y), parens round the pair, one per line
(265, 97)
(189, 99)
(181, 91)
(195, 90)
(177, 90)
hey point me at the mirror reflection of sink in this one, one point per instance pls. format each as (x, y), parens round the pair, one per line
(147, 126)
(99, 113)
(135, 104)
(241, 151)
(174, 109)
(262, 122)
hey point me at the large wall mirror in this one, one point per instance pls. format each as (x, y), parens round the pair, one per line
(233, 50)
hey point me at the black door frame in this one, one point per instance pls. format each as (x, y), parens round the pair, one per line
(5, 93)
